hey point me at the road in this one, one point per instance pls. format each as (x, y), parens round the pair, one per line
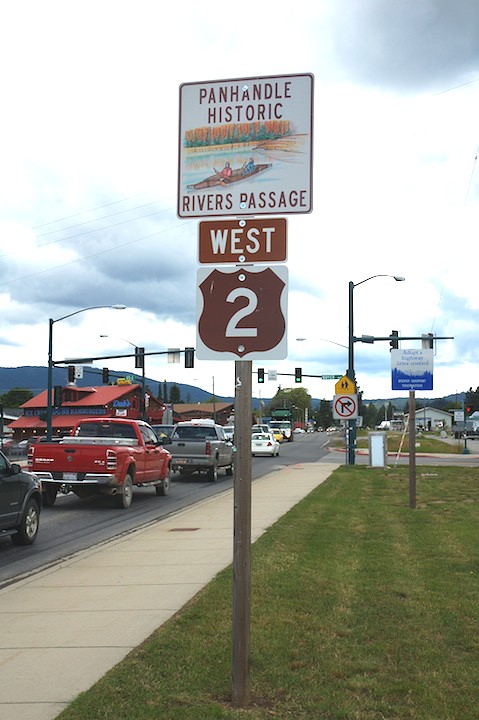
(72, 524)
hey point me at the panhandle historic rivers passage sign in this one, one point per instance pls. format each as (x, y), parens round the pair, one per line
(245, 147)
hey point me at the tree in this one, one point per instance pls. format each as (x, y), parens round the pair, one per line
(370, 415)
(175, 394)
(471, 400)
(323, 417)
(298, 399)
(15, 397)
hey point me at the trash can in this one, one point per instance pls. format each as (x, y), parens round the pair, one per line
(378, 449)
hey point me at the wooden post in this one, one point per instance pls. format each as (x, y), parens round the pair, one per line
(242, 535)
(412, 449)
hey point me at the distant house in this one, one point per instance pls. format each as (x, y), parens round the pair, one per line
(220, 411)
(121, 400)
(429, 418)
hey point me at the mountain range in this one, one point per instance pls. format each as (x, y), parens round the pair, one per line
(34, 378)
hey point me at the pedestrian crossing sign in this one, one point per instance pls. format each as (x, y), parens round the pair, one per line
(345, 386)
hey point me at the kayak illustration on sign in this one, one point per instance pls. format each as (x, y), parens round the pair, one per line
(223, 178)
(242, 313)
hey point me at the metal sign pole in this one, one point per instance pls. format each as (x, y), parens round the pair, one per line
(242, 535)
(412, 449)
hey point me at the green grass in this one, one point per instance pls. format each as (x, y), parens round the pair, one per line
(362, 609)
(425, 443)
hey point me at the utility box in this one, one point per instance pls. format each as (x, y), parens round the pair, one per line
(378, 449)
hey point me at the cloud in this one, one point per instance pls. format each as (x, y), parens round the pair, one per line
(408, 45)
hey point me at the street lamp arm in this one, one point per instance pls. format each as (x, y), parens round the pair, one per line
(94, 307)
(124, 340)
(51, 322)
(398, 278)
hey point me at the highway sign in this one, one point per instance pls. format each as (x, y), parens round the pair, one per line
(345, 386)
(245, 147)
(412, 369)
(345, 407)
(242, 313)
(240, 241)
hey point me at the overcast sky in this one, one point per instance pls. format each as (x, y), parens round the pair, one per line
(89, 163)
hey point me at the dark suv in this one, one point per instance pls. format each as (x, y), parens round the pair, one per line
(20, 503)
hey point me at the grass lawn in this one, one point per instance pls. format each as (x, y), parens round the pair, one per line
(362, 609)
(425, 443)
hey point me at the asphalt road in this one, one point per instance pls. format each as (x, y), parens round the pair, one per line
(72, 524)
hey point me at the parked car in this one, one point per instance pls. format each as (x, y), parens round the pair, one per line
(264, 444)
(20, 503)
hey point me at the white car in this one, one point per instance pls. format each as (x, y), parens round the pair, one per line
(264, 444)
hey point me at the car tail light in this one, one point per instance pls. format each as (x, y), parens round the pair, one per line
(269, 443)
(30, 457)
(110, 459)
(208, 447)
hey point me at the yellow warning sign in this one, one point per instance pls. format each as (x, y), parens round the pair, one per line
(345, 386)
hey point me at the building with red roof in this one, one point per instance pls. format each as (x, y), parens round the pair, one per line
(120, 400)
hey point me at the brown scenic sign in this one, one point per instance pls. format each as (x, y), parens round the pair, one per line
(242, 241)
(241, 312)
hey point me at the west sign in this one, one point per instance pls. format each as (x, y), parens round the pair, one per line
(242, 241)
(245, 147)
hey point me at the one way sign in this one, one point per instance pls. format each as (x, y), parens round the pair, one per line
(345, 407)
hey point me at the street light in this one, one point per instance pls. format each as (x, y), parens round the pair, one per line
(350, 372)
(51, 322)
(139, 357)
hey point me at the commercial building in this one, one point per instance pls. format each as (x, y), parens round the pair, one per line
(121, 400)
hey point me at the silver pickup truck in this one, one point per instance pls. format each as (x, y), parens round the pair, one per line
(201, 446)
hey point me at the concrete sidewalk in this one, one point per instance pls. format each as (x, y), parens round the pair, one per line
(64, 627)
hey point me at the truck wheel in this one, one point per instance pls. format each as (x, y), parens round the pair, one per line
(213, 473)
(49, 495)
(164, 488)
(123, 499)
(28, 528)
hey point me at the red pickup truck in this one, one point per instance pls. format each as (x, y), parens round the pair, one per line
(102, 457)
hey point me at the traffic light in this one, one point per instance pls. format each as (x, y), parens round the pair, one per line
(71, 373)
(189, 357)
(261, 375)
(394, 343)
(139, 357)
(105, 376)
(468, 409)
(298, 375)
(57, 396)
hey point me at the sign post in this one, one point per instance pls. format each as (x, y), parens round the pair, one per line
(412, 370)
(242, 536)
(245, 148)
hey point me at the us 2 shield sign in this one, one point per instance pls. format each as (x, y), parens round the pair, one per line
(242, 313)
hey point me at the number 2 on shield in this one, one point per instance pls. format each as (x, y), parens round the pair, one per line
(232, 329)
